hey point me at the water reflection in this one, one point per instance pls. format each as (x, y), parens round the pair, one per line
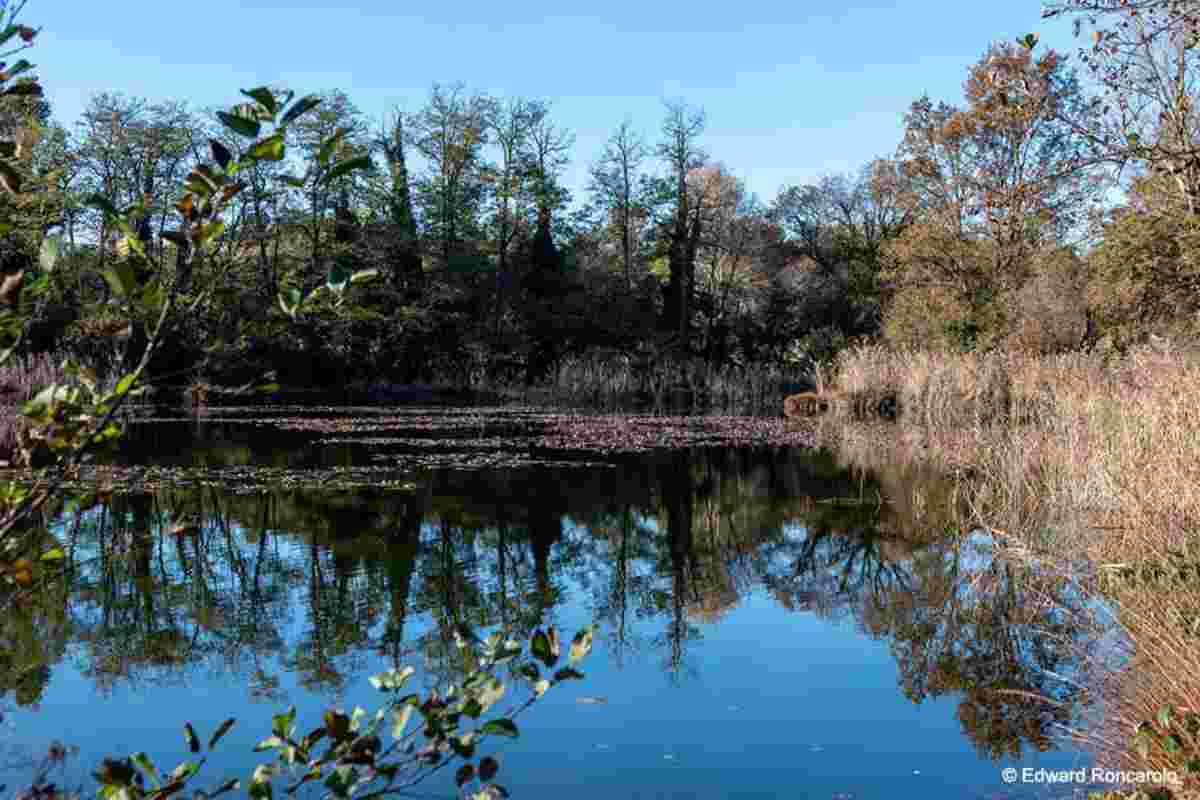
(176, 585)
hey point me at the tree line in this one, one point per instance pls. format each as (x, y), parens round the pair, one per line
(991, 225)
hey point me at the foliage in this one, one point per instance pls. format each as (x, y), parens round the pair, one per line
(996, 184)
(1142, 277)
(357, 760)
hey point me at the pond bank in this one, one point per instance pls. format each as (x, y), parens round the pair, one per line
(1078, 458)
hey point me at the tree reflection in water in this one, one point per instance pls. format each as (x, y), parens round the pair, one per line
(658, 548)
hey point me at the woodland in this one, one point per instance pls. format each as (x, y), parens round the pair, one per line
(993, 225)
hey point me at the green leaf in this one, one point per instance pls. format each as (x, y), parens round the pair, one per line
(362, 162)
(291, 180)
(465, 773)
(220, 153)
(48, 254)
(152, 295)
(340, 780)
(53, 554)
(102, 203)
(581, 645)
(330, 145)
(18, 68)
(269, 743)
(501, 727)
(281, 724)
(147, 766)
(530, 671)
(260, 784)
(302, 106)
(488, 767)
(8, 32)
(120, 278)
(264, 96)
(220, 731)
(1173, 744)
(540, 645)
(363, 276)
(189, 734)
(268, 149)
(391, 680)
(239, 124)
(463, 746)
(124, 384)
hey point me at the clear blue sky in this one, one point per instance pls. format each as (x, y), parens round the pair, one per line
(793, 90)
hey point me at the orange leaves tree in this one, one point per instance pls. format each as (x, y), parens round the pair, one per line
(992, 186)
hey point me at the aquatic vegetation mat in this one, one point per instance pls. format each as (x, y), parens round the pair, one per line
(385, 447)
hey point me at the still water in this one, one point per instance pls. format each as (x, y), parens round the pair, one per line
(773, 622)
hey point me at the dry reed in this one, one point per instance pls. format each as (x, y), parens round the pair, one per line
(1083, 460)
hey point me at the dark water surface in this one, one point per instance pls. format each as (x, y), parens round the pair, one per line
(773, 624)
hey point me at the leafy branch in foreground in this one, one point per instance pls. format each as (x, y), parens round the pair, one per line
(72, 421)
(368, 756)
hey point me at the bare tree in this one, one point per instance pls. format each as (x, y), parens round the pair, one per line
(680, 150)
(614, 182)
(450, 133)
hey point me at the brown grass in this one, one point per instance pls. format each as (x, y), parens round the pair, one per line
(611, 376)
(1083, 460)
(20, 379)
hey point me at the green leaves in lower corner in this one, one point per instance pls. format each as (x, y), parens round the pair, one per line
(501, 727)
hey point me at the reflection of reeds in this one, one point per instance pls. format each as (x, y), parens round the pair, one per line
(1084, 460)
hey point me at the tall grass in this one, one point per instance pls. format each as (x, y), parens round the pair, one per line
(1080, 460)
(20, 379)
(614, 378)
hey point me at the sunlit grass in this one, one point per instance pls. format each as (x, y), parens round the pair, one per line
(1082, 460)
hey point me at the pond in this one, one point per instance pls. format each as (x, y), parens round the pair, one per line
(771, 622)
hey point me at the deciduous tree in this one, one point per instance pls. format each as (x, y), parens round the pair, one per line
(994, 183)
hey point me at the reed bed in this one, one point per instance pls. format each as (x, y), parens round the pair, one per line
(1088, 462)
(20, 379)
(614, 377)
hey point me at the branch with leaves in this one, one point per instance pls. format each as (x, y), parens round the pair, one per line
(355, 761)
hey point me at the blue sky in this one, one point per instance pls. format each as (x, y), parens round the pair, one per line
(792, 90)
